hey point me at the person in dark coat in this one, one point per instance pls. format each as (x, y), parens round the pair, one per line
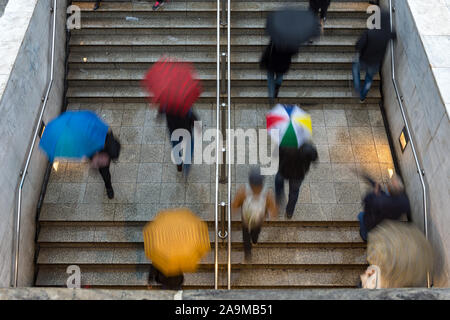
(293, 165)
(167, 283)
(277, 63)
(371, 48)
(320, 8)
(380, 205)
(175, 122)
(102, 160)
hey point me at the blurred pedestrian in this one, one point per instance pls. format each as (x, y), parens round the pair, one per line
(294, 164)
(97, 4)
(380, 205)
(371, 48)
(158, 4)
(320, 8)
(187, 122)
(277, 62)
(255, 202)
(167, 282)
(102, 160)
(399, 256)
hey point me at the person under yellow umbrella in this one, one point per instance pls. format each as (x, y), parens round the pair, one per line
(175, 241)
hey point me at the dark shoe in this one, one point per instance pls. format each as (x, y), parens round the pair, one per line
(97, 5)
(277, 90)
(179, 167)
(271, 101)
(362, 100)
(157, 5)
(151, 275)
(289, 215)
(110, 193)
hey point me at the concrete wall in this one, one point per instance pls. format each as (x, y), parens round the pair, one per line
(423, 76)
(3, 4)
(24, 75)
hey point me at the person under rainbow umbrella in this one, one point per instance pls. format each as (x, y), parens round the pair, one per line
(293, 125)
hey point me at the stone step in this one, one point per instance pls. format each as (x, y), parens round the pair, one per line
(184, 38)
(265, 256)
(322, 214)
(90, 76)
(144, 59)
(255, 277)
(288, 94)
(343, 7)
(118, 24)
(120, 233)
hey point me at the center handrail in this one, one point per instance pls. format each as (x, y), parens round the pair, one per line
(229, 139)
(216, 217)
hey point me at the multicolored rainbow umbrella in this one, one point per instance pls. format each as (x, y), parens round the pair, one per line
(289, 125)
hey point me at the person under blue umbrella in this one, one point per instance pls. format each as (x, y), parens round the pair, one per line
(81, 134)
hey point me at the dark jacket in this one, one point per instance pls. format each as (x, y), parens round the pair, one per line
(276, 60)
(177, 122)
(373, 43)
(384, 206)
(112, 147)
(316, 4)
(294, 163)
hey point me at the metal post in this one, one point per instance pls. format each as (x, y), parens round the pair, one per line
(216, 216)
(229, 142)
(24, 172)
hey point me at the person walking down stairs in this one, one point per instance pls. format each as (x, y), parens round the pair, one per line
(371, 48)
(102, 160)
(255, 201)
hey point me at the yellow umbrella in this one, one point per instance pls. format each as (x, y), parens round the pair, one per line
(176, 241)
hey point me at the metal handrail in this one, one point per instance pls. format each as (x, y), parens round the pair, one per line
(24, 172)
(216, 217)
(229, 140)
(420, 171)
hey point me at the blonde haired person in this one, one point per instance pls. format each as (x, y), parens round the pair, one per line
(255, 201)
(399, 256)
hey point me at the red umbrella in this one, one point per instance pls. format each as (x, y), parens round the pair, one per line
(172, 85)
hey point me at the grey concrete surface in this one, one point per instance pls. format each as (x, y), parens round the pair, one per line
(24, 75)
(318, 294)
(423, 76)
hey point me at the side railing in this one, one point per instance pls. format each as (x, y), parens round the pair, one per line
(420, 170)
(223, 126)
(23, 173)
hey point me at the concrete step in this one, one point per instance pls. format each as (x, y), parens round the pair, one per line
(130, 59)
(268, 256)
(194, 21)
(107, 8)
(89, 76)
(185, 38)
(241, 278)
(289, 94)
(322, 214)
(131, 233)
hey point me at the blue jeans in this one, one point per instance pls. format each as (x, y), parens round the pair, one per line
(362, 226)
(294, 191)
(371, 71)
(273, 78)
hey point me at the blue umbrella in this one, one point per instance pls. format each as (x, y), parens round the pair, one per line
(74, 134)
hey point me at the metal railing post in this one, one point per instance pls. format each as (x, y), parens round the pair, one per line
(216, 216)
(420, 171)
(229, 141)
(23, 173)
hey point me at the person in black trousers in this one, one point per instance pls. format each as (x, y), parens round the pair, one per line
(168, 283)
(277, 63)
(102, 161)
(320, 7)
(293, 165)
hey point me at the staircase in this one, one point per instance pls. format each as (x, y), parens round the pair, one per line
(319, 247)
